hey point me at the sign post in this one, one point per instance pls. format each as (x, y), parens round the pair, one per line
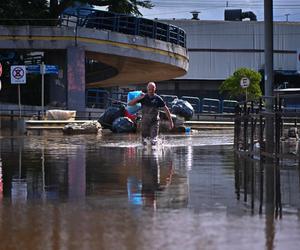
(245, 83)
(0, 76)
(18, 76)
(298, 60)
(42, 68)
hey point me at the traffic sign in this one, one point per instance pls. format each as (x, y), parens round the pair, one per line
(245, 82)
(18, 74)
(33, 69)
(37, 69)
(51, 69)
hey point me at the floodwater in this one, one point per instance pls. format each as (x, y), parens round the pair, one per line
(110, 192)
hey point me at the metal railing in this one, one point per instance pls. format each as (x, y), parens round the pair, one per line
(131, 25)
(97, 98)
(168, 99)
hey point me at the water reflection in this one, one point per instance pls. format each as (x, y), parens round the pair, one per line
(76, 173)
(143, 188)
(1, 182)
(19, 184)
(263, 183)
(88, 193)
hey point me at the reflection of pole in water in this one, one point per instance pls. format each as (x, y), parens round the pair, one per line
(20, 162)
(19, 185)
(252, 185)
(245, 178)
(270, 184)
(237, 175)
(43, 173)
(270, 230)
(261, 186)
(278, 210)
(1, 183)
(77, 173)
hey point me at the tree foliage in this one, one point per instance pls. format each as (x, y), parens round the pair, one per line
(38, 12)
(129, 6)
(118, 6)
(21, 12)
(232, 87)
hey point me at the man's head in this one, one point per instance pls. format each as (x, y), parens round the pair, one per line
(151, 88)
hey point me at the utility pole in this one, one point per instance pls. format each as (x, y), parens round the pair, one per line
(268, 23)
(287, 17)
(269, 120)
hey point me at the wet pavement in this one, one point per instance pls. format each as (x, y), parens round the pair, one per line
(110, 192)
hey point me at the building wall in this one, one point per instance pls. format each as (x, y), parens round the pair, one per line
(186, 87)
(217, 48)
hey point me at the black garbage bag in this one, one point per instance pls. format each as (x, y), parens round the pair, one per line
(182, 108)
(112, 113)
(123, 125)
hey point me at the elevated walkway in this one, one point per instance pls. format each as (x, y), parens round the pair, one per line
(134, 50)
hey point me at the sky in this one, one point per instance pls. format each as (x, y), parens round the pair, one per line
(283, 10)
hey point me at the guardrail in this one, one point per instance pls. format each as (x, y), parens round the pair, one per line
(195, 102)
(97, 98)
(169, 99)
(210, 105)
(131, 25)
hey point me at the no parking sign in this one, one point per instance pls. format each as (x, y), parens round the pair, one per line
(18, 74)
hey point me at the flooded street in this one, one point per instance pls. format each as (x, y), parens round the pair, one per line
(110, 192)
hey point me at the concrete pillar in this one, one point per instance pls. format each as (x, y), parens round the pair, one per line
(76, 78)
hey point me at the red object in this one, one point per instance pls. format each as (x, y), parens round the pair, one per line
(130, 116)
(0, 69)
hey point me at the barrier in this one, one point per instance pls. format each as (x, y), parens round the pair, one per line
(210, 105)
(195, 102)
(228, 106)
(97, 98)
(169, 99)
(98, 19)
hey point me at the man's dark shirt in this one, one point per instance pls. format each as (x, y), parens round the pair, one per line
(153, 101)
(151, 105)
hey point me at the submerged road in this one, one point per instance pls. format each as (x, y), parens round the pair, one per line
(109, 192)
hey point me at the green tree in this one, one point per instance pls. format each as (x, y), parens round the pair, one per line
(232, 87)
(118, 6)
(38, 12)
(22, 12)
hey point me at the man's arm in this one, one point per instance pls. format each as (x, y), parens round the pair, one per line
(167, 111)
(136, 100)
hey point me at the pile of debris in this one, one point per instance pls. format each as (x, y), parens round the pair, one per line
(126, 119)
(90, 127)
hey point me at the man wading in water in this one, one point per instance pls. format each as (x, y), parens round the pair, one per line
(151, 102)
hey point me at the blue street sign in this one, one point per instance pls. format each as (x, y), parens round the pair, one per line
(51, 69)
(35, 69)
